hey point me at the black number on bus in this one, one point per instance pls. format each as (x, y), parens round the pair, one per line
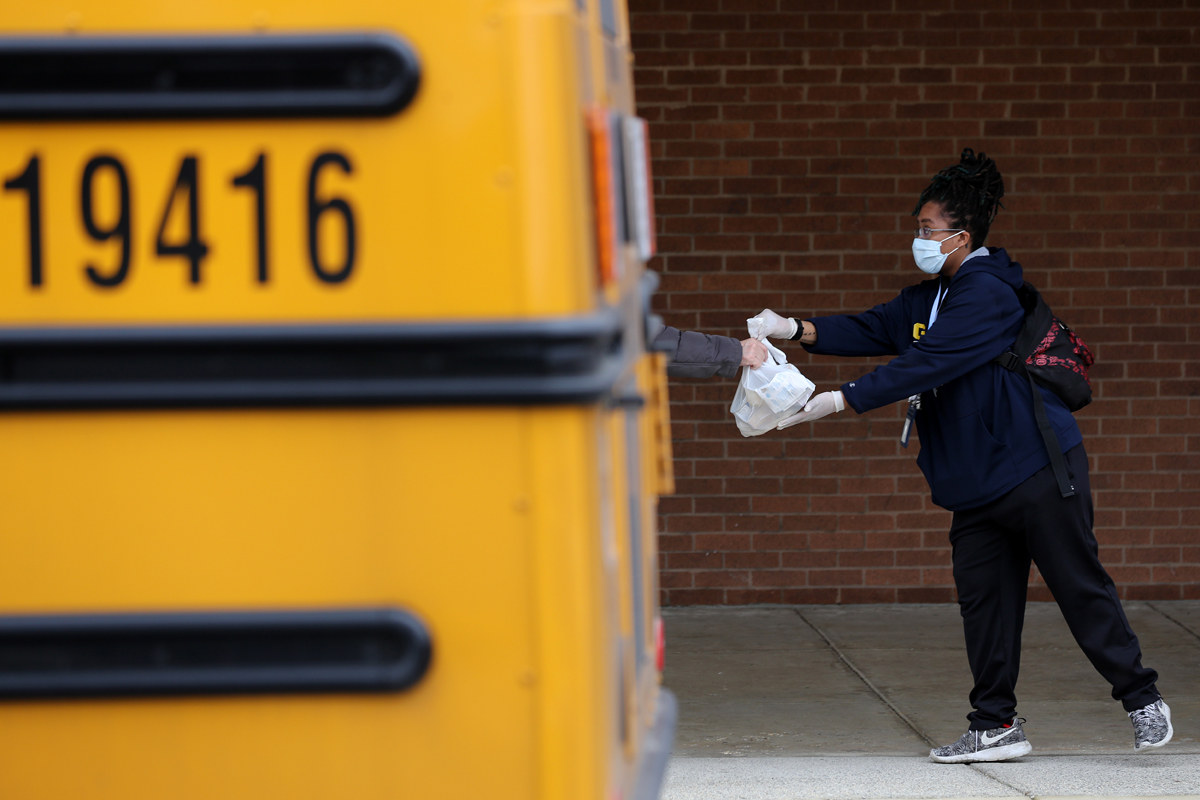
(120, 228)
(194, 249)
(316, 208)
(29, 182)
(256, 179)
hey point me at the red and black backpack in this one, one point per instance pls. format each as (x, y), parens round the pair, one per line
(1049, 352)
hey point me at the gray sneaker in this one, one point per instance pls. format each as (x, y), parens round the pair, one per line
(1151, 726)
(998, 744)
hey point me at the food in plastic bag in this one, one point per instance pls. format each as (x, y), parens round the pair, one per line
(768, 395)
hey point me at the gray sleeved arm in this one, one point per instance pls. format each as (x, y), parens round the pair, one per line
(699, 355)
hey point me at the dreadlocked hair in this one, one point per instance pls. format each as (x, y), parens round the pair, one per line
(969, 193)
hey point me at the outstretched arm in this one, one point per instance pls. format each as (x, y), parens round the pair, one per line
(700, 355)
(973, 327)
(871, 333)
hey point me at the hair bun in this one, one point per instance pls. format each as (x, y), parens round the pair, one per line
(970, 191)
(970, 163)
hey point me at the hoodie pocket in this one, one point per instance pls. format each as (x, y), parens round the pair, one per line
(965, 464)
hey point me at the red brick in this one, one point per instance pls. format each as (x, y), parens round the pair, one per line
(735, 597)
(660, 22)
(923, 557)
(1152, 592)
(835, 577)
(693, 597)
(810, 596)
(893, 577)
(780, 578)
(925, 595)
(872, 595)
(807, 559)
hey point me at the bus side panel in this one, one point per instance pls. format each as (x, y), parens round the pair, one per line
(422, 510)
(575, 585)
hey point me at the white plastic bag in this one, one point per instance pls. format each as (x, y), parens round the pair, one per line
(769, 394)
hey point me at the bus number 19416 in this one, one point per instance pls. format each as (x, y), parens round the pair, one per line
(194, 249)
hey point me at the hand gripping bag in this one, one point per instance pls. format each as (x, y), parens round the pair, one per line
(769, 394)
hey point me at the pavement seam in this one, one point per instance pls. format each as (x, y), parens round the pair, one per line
(887, 702)
(866, 681)
(1000, 781)
(1177, 622)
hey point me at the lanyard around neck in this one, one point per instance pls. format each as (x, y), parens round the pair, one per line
(933, 314)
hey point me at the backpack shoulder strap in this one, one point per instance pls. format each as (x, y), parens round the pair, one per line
(1038, 319)
(1057, 461)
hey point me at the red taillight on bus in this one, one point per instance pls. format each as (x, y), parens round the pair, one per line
(600, 134)
(660, 644)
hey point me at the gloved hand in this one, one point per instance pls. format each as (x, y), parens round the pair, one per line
(821, 405)
(777, 327)
(754, 353)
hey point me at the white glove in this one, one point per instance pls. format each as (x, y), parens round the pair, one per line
(821, 405)
(775, 326)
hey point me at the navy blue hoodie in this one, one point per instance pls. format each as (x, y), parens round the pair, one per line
(979, 437)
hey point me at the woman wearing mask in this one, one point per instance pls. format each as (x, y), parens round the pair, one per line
(985, 459)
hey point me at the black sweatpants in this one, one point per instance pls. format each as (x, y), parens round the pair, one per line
(993, 545)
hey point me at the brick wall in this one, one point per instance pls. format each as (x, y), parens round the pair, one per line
(791, 140)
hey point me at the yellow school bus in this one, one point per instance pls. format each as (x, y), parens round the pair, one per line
(329, 440)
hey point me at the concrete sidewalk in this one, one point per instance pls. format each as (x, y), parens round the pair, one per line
(845, 702)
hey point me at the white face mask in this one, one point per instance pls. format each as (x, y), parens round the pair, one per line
(929, 256)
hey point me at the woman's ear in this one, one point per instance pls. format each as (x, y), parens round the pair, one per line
(955, 241)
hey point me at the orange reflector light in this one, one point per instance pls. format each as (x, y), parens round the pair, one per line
(602, 188)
